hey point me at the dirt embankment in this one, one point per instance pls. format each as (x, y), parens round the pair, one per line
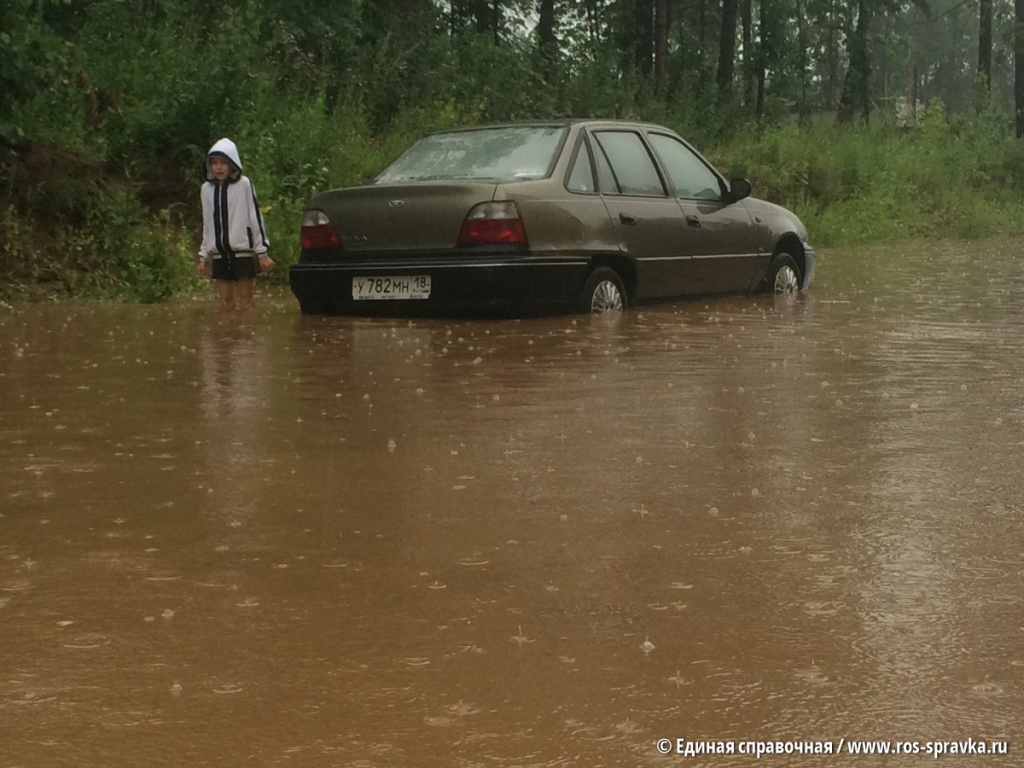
(52, 197)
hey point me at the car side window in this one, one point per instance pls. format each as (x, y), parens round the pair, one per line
(609, 185)
(581, 177)
(631, 163)
(690, 176)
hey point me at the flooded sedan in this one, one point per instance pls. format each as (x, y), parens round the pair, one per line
(283, 540)
(538, 218)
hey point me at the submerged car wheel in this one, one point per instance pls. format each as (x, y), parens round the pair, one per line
(783, 276)
(603, 292)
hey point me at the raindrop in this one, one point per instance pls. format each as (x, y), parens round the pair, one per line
(391, 446)
(647, 646)
(168, 613)
(520, 639)
(755, 493)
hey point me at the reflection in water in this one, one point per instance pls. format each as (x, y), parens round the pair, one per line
(331, 541)
(233, 402)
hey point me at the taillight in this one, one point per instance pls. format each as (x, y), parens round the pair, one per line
(493, 224)
(317, 231)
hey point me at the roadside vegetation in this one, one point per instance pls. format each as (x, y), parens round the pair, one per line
(113, 104)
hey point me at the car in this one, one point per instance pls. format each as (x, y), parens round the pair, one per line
(553, 216)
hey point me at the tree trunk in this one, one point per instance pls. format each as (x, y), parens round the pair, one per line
(727, 48)
(985, 44)
(660, 45)
(832, 57)
(856, 96)
(749, 76)
(763, 49)
(1018, 65)
(547, 44)
(644, 40)
(546, 25)
(908, 116)
(801, 38)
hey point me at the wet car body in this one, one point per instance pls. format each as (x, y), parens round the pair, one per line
(543, 217)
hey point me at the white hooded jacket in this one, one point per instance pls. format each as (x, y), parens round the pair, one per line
(232, 222)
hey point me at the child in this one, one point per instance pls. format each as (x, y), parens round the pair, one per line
(234, 238)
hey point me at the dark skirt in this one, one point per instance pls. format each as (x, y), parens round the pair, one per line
(240, 267)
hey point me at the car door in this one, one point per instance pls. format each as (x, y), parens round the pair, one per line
(648, 222)
(726, 242)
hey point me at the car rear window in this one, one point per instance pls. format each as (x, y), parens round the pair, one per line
(516, 153)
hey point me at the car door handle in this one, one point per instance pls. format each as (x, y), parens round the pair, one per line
(693, 221)
(627, 218)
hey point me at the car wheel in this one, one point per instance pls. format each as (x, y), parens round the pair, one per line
(783, 275)
(603, 292)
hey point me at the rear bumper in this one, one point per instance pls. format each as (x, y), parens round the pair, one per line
(478, 283)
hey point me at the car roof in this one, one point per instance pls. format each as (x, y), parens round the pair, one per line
(557, 122)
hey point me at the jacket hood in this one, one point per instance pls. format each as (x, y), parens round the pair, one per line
(224, 148)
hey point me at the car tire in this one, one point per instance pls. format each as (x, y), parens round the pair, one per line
(783, 275)
(603, 292)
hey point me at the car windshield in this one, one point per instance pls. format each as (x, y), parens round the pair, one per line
(516, 153)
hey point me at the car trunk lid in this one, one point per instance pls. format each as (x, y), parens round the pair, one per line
(425, 216)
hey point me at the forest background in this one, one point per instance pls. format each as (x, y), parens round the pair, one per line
(874, 120)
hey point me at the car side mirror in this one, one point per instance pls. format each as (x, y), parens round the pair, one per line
(739, 189)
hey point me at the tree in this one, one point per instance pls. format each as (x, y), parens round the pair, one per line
(643, 39)
(985, 44)
(660, 45)
(856, 98)
(1018, 66)
(749, 70)
(727, 47)
(32, 57)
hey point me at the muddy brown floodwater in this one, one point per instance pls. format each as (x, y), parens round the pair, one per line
(289, 541)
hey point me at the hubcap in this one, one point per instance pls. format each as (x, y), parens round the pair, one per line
(606, 298)
(786, 281)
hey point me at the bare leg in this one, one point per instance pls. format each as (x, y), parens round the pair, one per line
(226, 294)
(245, 293)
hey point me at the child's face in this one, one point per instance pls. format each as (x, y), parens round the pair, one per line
(220, 168)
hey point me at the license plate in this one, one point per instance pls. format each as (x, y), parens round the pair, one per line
(391, 287)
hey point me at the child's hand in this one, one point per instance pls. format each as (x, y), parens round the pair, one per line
(266, 263)
(203, 269)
